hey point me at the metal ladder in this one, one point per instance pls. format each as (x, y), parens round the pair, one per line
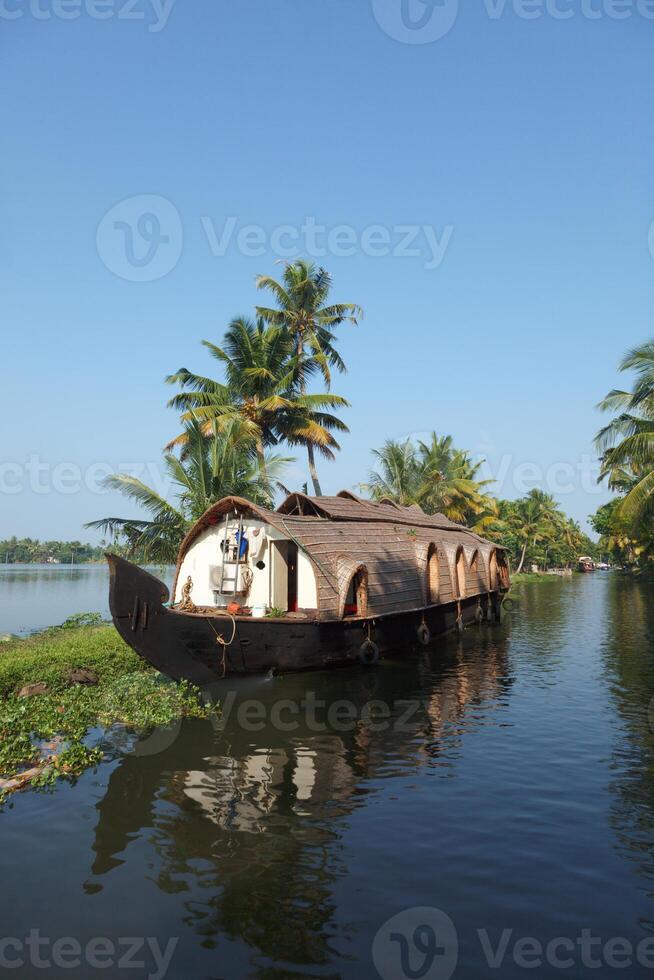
(226, 579)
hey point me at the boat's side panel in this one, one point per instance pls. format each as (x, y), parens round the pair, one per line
(189, 646)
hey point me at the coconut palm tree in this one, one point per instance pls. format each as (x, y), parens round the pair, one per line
(309, 320)
(435, 475)
(397, 476)
(260, 394)
(532, 520)
(210, 467)
(626, 444)
(449, 483)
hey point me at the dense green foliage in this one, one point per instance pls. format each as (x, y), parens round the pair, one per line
(442, 479)
(15, 550)
(209, 467)
(128, 692)
(261, 394)
(626, 542)
(535, 531)
(626, 445)
(435, 475)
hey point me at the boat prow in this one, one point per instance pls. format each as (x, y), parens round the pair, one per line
(137, 604)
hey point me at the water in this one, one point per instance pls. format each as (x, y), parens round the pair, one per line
(511, 787)
(35, 596)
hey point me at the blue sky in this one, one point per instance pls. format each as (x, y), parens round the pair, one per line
(523, 146)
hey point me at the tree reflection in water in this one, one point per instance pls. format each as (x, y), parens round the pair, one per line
(248, 824)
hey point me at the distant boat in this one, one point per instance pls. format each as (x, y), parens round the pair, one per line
(586, 564)
(319, 582)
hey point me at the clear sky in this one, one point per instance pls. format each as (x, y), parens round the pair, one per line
(513, 154)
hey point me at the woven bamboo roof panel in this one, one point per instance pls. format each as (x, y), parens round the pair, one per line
(342, 535)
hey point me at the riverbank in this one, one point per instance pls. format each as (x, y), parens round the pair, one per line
(58, 685)
(535, 577)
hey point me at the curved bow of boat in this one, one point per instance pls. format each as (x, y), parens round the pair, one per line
(133, 591)
(181, 646)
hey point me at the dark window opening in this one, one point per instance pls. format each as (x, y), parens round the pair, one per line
(356, 601)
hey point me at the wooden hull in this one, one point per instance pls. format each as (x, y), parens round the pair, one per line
(187, 646)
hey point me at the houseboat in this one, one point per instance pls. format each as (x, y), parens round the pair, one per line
(586, 564)
(321, 581)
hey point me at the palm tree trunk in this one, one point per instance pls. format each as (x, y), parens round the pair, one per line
(261, 456)
(314, 472)
(303, 390)
(522, 558)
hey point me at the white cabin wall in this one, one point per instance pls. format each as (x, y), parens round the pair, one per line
(205, 554)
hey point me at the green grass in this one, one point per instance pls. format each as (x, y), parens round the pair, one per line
(50, 655)
(534, 577)
(128, 692)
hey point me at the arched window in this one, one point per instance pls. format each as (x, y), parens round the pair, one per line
(503, 571)
(493, 572)
(460, 574)
(477, 573)
(433, 576)
(356, 598)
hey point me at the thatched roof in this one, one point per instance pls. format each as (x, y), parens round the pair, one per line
(343, 533)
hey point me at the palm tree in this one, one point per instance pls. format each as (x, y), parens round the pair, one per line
(303, 312)
(626, 444)
(209, 468)
(435, 475)
(260, 394)
(397, 476)
(532, 520)
(449, 483)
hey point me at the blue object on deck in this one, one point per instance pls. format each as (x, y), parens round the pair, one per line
(242, 543)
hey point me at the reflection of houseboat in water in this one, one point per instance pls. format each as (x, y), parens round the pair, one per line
(586, 564)
(309, 754)
(250, 822)
(346, 579)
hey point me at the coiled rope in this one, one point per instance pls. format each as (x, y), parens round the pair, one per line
(221, 641)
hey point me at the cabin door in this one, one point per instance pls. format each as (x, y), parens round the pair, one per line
(292, 577)
(284, 576)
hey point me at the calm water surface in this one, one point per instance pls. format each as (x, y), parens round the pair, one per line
(518, 796)
(35, 596)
